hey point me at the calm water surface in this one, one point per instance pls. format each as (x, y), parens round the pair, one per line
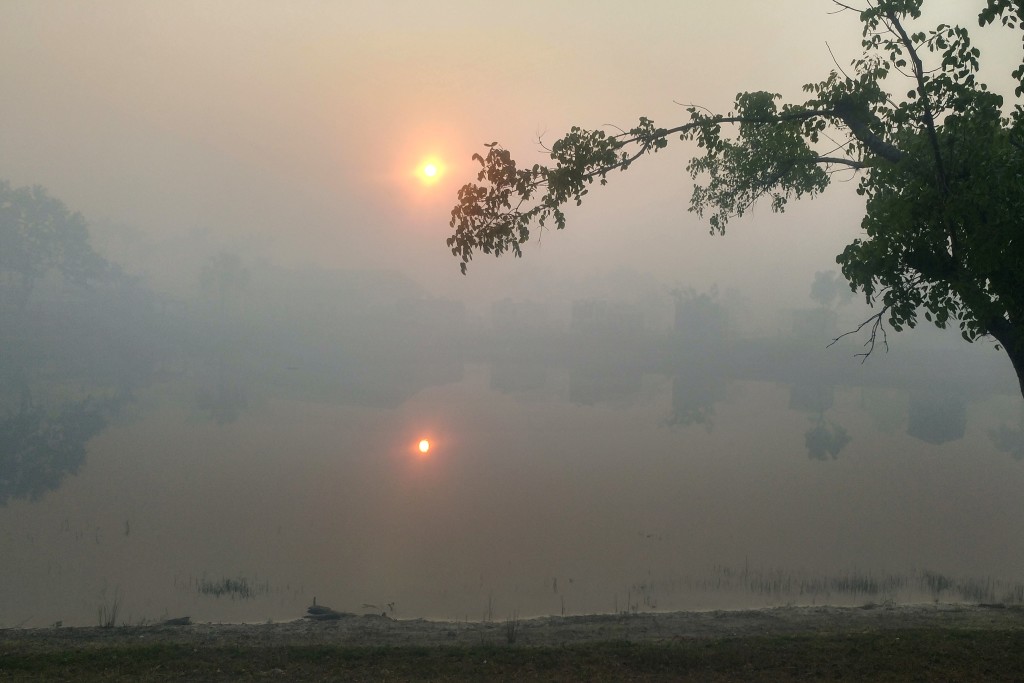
(531, 501)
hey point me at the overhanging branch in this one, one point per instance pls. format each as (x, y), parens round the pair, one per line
(877, 327)
(844, 111)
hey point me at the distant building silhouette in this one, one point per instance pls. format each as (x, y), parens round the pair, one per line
(600, 315)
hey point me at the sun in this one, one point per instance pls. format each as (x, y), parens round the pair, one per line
(424, 446)
(430, 171)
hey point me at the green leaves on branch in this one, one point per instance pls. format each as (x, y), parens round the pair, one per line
(952, 251)
(1011, 15)
(497, 216)
(770, 157)
(939, 159)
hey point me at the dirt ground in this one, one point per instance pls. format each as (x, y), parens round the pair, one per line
(382, 631)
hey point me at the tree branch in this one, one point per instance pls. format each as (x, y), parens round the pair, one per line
(842, 161)
(922, 92)
(856, 117)
(877, 326)
(844, 111)
(489, 218)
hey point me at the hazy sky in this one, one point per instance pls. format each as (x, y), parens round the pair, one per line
(295, 128)
(291, 131)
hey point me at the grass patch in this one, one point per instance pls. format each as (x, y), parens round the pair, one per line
(235, 588)
(106, 614)
(897, 655)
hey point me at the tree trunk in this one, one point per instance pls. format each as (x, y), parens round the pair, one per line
(1017, 358)
(1013, 344)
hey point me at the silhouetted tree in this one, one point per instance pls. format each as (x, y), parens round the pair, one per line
(38, 234)
(829, 290)
(939, 158)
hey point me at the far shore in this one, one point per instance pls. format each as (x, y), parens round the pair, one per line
(376, 630)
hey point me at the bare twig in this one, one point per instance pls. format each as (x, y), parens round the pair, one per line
(843, 8)
(836, 62)
(877, 327)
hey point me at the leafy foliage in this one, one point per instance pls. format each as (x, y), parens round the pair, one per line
(38, 234)
(940, 160)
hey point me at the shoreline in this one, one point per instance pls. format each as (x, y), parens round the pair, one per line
(377, 631)
(873, 642)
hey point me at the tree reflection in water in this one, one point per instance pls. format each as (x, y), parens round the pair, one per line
(1009, 439)
(824, 439)
(39, 446)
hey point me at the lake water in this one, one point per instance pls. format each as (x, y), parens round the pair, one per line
(549, 489)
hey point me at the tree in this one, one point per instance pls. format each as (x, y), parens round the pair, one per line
(829, 290)
(939, 157)
(38, 234)
(223, 279)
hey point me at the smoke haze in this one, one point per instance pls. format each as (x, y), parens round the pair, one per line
(619, 419)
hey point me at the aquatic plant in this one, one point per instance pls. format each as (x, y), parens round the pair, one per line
(512, 628)
(240, 587)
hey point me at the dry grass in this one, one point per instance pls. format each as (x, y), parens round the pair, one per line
(895, 655)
